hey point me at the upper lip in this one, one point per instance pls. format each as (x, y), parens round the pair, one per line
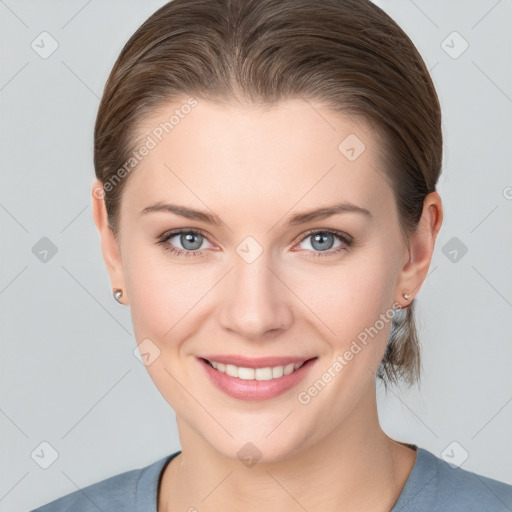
(256, 362)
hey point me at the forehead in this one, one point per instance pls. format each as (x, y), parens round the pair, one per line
(249, 157)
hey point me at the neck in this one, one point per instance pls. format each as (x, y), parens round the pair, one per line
(355, 467)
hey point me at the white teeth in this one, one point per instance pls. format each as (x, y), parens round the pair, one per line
(231, 370)
(246, 373)
(277, 372)
(289, 368)
(267, 373)
(263, 374)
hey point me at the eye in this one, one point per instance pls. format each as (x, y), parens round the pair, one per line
(191, 242)
(322, 242)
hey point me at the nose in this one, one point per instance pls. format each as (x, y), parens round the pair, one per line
(256, 302)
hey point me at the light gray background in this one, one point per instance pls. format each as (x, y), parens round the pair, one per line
(68, 373)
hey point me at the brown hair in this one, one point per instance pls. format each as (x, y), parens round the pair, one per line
(348, 53)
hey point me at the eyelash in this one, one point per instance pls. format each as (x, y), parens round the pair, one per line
(342, 237)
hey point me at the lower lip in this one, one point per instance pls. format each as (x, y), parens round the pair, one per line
(256, 389)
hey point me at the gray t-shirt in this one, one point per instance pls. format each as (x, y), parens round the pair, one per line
(433, 486)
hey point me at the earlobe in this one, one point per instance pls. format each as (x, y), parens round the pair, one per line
(421, 248)
(109, 242)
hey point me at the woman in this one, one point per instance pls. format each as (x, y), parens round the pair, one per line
(266, 201)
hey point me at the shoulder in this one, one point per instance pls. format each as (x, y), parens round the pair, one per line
(132, 490)
(436, 485)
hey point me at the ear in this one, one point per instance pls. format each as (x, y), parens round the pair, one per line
(109, 242)
(420, 250)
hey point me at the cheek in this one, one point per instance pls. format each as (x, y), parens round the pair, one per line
(165, 301)
(164, 295)
(355, 305)
(346, 299)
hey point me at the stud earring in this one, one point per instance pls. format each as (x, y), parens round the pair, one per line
(406, 296)
(117, 293)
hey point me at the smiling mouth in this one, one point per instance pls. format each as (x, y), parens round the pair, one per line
(245, 373)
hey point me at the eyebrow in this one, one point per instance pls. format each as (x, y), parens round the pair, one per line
(295, 219)
(327, 211)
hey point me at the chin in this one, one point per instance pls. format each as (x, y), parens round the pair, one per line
(261, 438)
(259, 451)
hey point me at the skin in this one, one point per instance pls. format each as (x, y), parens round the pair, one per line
(254, 168)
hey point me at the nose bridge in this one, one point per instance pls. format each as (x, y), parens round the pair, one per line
(255, 301)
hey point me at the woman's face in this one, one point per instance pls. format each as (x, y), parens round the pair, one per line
(256, 288)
